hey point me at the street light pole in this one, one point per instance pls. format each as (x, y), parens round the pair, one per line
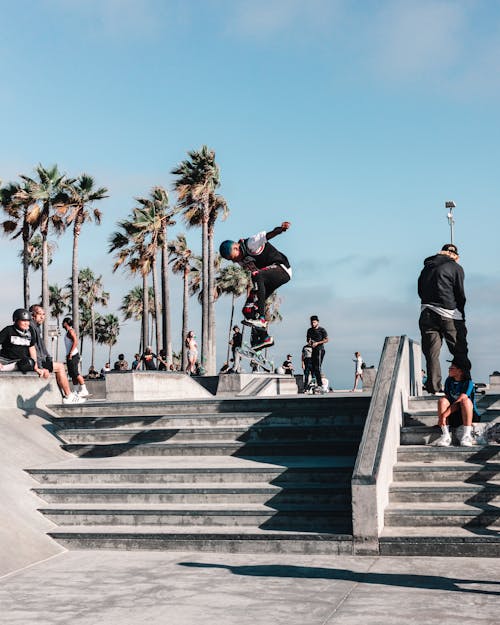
(450, 205)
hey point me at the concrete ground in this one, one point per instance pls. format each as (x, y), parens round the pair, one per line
(122, 588)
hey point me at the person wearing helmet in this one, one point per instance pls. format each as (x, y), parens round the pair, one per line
(269, 268)
(17, 345)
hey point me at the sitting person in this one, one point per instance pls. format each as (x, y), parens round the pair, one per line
(136, 362)
(457, 407)
(147, 360)
(17, 346)
(288, 365)
(44, 359)
(93, 374)
(121, 364)
(162, 360)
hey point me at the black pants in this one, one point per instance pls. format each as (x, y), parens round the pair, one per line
(266, 281)
(434, 329)
(318, 353)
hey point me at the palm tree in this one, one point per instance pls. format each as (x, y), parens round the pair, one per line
(232, 280)
(47, 199)
(131, 307)
(181, 258)
(130, 248)
(82, 194)
(197, 179)
(156, 220)
(107, 330)
(35, 253)
(91, 293)
(17, 225)
(58, 302)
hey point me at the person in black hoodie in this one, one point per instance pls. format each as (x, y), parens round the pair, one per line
(441, 291)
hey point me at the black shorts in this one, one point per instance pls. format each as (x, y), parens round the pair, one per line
(73, 363)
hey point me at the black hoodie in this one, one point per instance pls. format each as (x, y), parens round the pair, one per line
(441, 283)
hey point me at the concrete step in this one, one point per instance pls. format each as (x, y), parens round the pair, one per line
(197, 469)
(255, 433)
(261, 493)
(442, 515)
(428, 419)
(240, 419)
(445, 472)
(445, 492)
(203, 538)
(449, 542)
(287, 517)
(305, 404)
(423, 453)
(242, 449)
(423, 403)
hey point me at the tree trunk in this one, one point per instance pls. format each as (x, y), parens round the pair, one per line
(211, 304)
(145, 307)
(230, 327)
(185, 304)
(92, 325)
(45, 286)
(165, 284)
(75, 303)
(205, 346)
(157, 306)
(26, 276)
(109, 354)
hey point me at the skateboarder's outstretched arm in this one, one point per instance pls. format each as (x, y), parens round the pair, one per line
(278, 230)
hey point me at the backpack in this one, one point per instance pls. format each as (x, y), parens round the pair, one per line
(363, 365)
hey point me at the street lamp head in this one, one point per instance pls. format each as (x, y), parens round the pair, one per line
(450, 204)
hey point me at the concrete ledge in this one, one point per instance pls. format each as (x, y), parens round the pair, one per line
(256, 384)
(152, 385)
(27, 391)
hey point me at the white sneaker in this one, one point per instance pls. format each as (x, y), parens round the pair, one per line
(257, 323)
(73, 398)
(466, 441)
(83, 393)
(443, 441)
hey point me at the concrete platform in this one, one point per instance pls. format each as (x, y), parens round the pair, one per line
(152, 385)
(129, 588)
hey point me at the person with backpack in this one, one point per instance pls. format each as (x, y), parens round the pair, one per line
(307, 363)
(359, 365)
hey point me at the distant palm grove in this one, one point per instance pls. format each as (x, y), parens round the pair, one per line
(50, 203)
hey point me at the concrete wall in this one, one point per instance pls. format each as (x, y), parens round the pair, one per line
(377, 454)
(153, 385)
(27, 391)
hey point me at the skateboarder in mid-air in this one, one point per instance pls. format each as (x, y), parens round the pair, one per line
(269, 268)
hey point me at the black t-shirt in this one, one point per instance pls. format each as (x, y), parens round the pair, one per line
(237, 339)
(15, 343)
(149, 363)
(317, 334)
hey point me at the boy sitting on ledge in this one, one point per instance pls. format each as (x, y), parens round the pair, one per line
(457, 406)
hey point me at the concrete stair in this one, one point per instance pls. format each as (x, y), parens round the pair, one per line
(443, 500)
(237, 475)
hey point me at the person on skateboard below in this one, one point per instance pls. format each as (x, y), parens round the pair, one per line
(269, 269)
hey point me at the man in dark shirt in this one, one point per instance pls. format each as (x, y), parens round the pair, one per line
(17, 344)
(44, 359)
(288, 365)
(236, 342)
(317, 337)
(442, 314)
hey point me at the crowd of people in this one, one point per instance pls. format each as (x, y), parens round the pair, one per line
(442, 316)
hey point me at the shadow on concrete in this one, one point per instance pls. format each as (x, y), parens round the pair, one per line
(29, 404)
(489, 513)
(403, 580)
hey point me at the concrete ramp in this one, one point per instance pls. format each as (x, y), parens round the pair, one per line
(153, 385)
(27, 391)
(26, 439)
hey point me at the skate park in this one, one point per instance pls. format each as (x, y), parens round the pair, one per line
(219, 488)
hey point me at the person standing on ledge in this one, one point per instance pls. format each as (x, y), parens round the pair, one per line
(73, 358)
(317, 337)
(441, 291)
(269, 268)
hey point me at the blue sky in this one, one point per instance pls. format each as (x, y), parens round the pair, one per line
(355, 120)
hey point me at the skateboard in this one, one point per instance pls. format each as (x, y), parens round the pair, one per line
(256, 357)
